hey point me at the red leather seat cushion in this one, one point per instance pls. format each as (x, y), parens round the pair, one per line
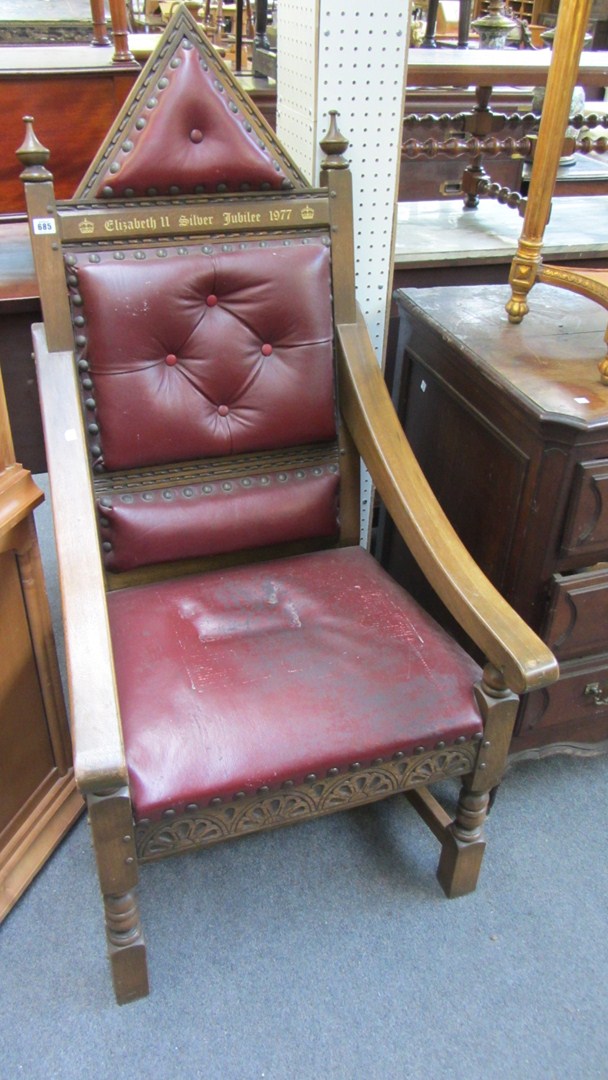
(266, 673)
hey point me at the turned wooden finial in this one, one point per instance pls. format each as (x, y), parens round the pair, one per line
(33, 155)
(334, 145)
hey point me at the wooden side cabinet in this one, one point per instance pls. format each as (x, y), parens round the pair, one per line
(510, 425)
(38, 796)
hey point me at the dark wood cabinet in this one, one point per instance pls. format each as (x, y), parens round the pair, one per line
(510, 425)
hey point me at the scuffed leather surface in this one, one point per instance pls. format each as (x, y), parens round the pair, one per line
(175, 378)
(270, 672)
(206, 519)
(194, 138)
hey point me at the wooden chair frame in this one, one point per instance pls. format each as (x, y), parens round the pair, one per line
(517, 661)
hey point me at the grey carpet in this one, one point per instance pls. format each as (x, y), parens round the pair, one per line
(328, 950)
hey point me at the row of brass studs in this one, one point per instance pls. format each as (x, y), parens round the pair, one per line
(227, 487)
(194, 249)
(312, 778)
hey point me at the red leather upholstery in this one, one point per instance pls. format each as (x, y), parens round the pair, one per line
(271, 672)
(186, 353)
(192, 520)
(189, 136)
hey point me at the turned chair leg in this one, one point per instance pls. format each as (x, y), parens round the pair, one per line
(463, 841)
(464, 844)
(111, 820)
(126, 947)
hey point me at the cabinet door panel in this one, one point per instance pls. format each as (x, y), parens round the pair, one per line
(26, 760)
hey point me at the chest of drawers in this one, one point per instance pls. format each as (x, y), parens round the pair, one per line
(510, 425)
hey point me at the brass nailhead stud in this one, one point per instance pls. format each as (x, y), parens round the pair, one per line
(192, 806)
(419, 750)
(333, 772)
(129, 860)
(263, 790)
(440, 745)
(216, 801)
(311, 778)
(288, 784)
(377, 761)
(126, 839)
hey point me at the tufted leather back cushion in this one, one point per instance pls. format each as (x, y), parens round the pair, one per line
(202, 352)
(192, 352)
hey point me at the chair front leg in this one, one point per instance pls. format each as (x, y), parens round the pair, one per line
(113, 840)
(463, 843)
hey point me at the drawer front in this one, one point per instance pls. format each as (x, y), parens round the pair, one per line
(577, 623)
(579, 696)
(586, 530)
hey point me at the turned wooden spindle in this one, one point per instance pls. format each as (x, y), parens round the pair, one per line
(98, 12)
(569, 37)
(120, 32)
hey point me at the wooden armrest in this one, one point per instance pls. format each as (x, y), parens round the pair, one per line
(99, 758)
(505, 639)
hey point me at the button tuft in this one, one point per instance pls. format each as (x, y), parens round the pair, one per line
(223, 410)
(196, 136)
(171, 359)
(211, 300)
(266, 350)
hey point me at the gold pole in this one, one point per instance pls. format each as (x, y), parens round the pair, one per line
(569, 38)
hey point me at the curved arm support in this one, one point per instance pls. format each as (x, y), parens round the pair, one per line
(506, 640)
(99, 758)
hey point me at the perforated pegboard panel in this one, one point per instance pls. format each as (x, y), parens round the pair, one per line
(332, 55)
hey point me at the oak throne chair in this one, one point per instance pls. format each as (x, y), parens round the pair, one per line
(236, 660)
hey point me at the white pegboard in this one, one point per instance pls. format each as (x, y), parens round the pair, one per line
(353, 59)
